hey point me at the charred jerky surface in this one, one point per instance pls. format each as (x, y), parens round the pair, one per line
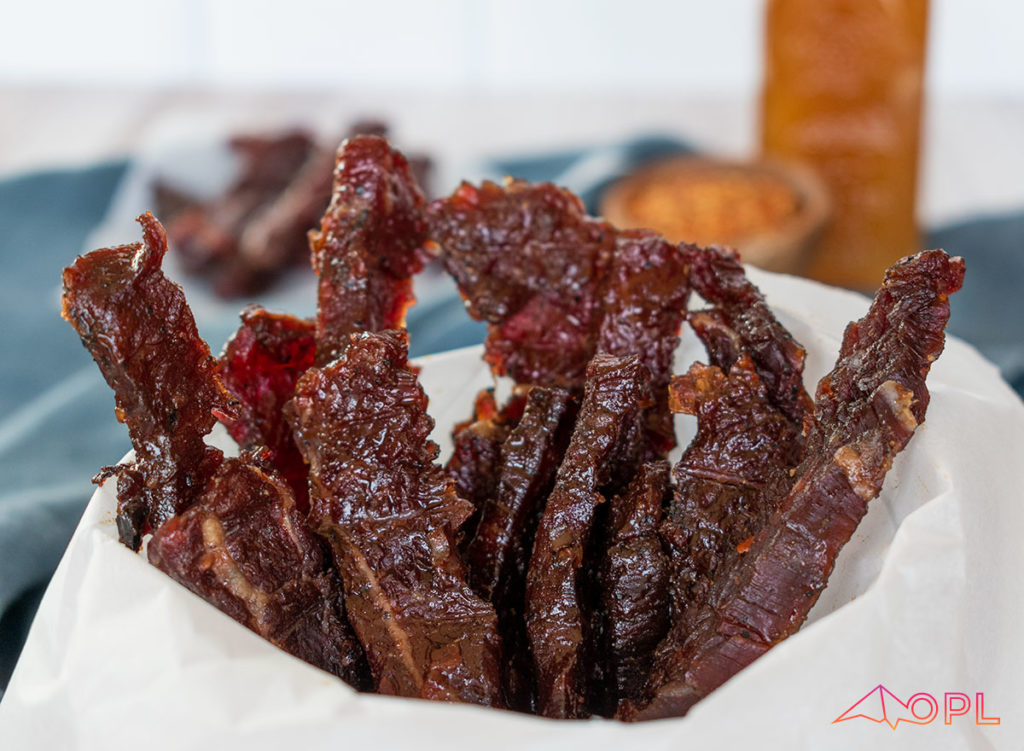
(634, 586)
(866, 410)
(137, 326)
(261, 364)
(370, 242)
(744, 317)
(246, 548)
(499, 551)
(617, 392)
(390, 516)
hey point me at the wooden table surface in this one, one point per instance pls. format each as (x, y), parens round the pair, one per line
(973, 158)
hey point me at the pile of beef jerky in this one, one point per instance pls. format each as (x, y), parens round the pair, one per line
(558, 565)
(244, 239)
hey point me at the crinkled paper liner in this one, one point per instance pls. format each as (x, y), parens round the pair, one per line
(928, 596)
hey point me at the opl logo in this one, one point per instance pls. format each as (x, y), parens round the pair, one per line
(882, 705)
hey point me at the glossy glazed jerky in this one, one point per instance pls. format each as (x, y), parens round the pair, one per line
(276, 236)
(138, 328)
(717, 275)
(617, 393)
(260, 366)
(866, 410)
(245, 547)
(498, 553)
(370, 242)
(558, 287)
(634, 588)
(528, 261)
(476, 451)
(643, 303)
(390, 516)
(730, 477)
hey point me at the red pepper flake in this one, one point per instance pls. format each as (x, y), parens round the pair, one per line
(744, 546)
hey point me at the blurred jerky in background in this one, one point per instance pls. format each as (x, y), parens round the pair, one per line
(242, 239)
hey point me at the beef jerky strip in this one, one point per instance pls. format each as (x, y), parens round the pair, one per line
(390, 516)
(717, 275)
(558, 287)
(529, 262)
(260, 366)
(277, 235)
(370, 242)
(738, 466)
(644, 302)
(634, 587)
(617, 392)
(499, 551)
(866, 410)
(728, 482)
(137, 326)
(245, 547)
(206, 235)
(476, 452)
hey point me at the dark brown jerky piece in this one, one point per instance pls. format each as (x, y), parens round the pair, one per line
(717, 275)
(390, 515)
(260, 366)
(617, 392)
(245, 547)
(644, 301)
(498, 553)
(724, 346)
(137, 326)
(276, 237)
(371, 241)
(730, 477)
(206, 235)
(866, 410)
(529, 262)
(558, 287)
(634, 587)
(476, 452)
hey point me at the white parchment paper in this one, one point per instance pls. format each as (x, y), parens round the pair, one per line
(928, 596)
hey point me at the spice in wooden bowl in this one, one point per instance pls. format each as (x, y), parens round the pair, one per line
(773, 213)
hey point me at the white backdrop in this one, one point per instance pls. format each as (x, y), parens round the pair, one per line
(977, 46)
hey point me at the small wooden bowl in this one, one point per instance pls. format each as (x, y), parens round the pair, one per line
(772, 212)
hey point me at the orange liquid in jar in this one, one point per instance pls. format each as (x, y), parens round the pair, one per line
(842, 93)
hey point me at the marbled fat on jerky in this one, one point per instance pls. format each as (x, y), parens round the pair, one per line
(245, 547)
(866, 410)
(390, 516)
(137, 326)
